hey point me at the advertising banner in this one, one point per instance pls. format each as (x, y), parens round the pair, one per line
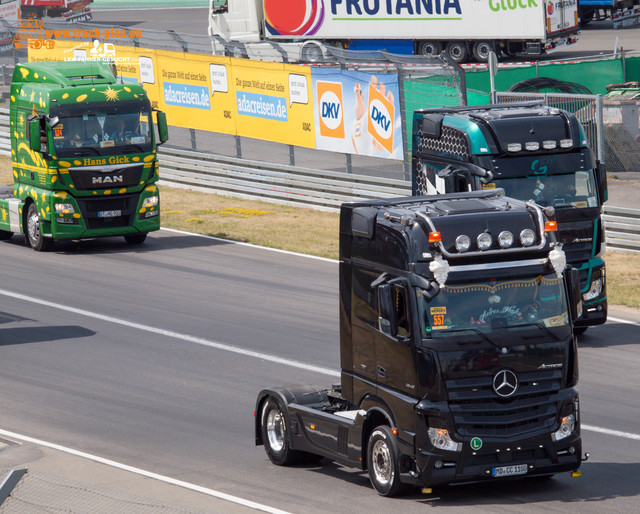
(328, 109)
(273, 102)
(357, 112)
(194, 90)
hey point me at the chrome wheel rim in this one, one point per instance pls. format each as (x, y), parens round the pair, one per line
(276, 430)
(33, 227)
(382, 468)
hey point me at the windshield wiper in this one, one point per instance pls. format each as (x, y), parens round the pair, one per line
(134, 147)
(81, 151)
(478, 332)
(539, 325)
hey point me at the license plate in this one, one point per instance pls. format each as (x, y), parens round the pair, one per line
(509, 471)
(109, 214)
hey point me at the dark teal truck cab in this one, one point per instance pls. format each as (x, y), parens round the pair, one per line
(533, 152)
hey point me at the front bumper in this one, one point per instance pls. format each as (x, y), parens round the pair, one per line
(594, 313)
(539, 454)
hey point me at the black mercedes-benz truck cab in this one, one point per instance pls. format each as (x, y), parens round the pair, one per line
(456, 345)
(532, 152)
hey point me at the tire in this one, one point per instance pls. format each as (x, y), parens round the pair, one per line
(586, 17)
(135, 239)
(33, 232)
(430, 48)
(274, 424)
(5, 235)
(578, 331)
(458, 51)
(382, 462)
(311, 53)
(482, 49)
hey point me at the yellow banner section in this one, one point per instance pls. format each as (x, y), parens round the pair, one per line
(262, 100)
(272, 102)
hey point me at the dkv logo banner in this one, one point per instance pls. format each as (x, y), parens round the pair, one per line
(357, 113)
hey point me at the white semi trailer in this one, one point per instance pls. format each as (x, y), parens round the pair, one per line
(465, 29)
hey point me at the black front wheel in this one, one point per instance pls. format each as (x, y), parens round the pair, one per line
(383, 462)
(135, 239)
(275, 434)
(34, 231)
(579, 330)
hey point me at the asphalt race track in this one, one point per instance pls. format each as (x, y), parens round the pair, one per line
(153, 357)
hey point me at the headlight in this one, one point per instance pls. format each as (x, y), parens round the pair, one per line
(63, 208)
(484, 241)
(505, 239)
(441, 440)
(594, 291)
(527, 237)
(463, 243)
(152, 201)
(567, 427)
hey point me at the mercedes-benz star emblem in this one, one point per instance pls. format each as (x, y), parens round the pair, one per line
(505, 383)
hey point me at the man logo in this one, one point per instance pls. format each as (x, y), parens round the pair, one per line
(330, 107)
(381, 114)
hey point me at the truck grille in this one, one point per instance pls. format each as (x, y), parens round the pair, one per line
(478, 412)
(452, 143)
(90, 209)
(86, 179)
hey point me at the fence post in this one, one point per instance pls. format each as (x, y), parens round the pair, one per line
(238, 147)
(192, 135)
(600, 129)
(403, 109)
(292, 155)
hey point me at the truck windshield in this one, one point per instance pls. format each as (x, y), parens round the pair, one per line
(102, 134)
(571, 190)
(492, 306)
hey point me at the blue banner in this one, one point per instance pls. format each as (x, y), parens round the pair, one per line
(186, 95)
(262, 106)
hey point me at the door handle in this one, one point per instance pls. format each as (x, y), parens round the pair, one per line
(382, 373)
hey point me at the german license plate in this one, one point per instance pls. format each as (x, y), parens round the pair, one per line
(109, 214)
(509, 471)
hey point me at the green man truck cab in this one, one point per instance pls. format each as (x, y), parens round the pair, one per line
(534, 153)
(83, 149)
(458, 359)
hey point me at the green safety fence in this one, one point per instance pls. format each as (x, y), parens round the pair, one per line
(595, 75)
(433, 92)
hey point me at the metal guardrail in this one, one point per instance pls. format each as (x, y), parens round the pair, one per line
(622, 228)
(260, 180)
(317, 189)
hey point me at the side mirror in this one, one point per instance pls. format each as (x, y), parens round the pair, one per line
(219, 6)
(163, 130)
(388, 321)
(575, 295)
(34, 135)
(601, 178)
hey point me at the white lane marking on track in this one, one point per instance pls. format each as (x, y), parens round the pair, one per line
(211, 492)
(620, 320)
(617, 433)
(185, 337)
(325, 259)
(234, 349)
